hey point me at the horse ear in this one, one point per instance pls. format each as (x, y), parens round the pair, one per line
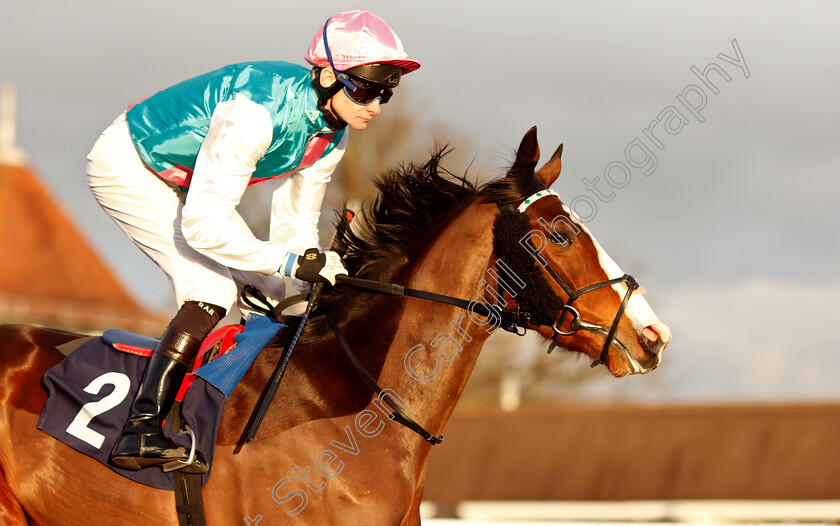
(527, 155)
(550, 170)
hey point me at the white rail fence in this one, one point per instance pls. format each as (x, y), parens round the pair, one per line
(510, 513)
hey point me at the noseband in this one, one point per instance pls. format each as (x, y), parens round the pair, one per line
(511, 229)
(576, 323)
(521, 225)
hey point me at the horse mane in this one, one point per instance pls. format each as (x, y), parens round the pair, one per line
(415, 201)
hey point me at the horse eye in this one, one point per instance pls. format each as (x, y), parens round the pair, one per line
(561, 238)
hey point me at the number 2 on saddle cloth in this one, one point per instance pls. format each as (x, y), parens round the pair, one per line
(91, 391)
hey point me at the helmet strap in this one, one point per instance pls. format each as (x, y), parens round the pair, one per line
(324, 95)
(332, 119)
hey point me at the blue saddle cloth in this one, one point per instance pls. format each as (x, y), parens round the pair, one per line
(91, 391)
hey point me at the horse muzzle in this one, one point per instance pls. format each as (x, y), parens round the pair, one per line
(652, 340)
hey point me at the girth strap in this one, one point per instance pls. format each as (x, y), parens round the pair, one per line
(399, 415)
(188, 502)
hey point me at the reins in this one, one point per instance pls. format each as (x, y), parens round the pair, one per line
(510, 320)
(513, 318)
(399, 415)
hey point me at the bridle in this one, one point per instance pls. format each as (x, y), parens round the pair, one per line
(511, 320)
(576, 323)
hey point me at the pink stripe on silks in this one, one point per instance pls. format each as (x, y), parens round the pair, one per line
(180, 175)
(139, 351)
(136, 102)
(314, 149)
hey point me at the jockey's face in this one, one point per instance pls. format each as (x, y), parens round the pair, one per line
(355, 115)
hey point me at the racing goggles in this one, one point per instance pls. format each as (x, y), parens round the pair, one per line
(364, 93)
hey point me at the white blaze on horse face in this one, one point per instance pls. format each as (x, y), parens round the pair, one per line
(638, 310)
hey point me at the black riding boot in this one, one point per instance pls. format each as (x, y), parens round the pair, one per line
(142, 442)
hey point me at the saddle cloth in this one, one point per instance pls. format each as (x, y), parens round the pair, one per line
(90, 393)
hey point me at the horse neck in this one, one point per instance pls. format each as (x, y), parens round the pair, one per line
(435, 346)
(382, 335)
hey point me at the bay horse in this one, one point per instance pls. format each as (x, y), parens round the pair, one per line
(327, 453)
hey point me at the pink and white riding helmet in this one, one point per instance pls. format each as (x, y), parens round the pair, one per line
(357, 38)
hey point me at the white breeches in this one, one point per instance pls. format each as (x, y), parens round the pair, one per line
(148, 210)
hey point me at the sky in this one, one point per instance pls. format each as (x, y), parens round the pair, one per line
(717, 193)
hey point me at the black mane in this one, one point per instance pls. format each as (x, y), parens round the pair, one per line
(415, 201)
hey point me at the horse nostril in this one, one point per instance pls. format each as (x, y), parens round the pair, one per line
(651, 340)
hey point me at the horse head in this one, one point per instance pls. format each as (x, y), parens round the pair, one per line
(576, 295)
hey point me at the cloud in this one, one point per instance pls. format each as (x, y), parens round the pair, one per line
(756, 340)
(742, 199)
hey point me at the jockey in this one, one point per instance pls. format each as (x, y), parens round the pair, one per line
(171, 170)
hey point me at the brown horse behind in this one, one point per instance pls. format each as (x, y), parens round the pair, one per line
(327, 453)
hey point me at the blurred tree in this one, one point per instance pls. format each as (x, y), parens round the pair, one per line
(541, 378)
(398, 135)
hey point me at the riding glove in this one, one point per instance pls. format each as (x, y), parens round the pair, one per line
(319, 267)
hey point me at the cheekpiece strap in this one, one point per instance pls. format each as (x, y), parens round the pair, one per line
(542, 193)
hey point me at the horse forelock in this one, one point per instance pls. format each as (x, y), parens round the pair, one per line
(517, 186)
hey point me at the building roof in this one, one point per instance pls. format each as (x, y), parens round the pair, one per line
(49, 274)
(637, 453)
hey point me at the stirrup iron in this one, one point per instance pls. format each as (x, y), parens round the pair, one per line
(179, 464)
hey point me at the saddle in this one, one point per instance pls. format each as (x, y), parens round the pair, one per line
(90, 392)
